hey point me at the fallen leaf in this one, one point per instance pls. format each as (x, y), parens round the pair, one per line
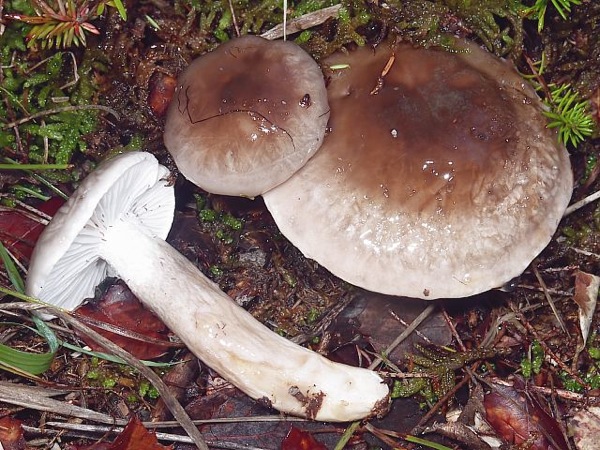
(135, 328)
(586, 297)
(519, 419)
(11, 434)
(162, 88)
(585, 426)
(298, 439)
(134, 437)
(378, 317)
(19, 230)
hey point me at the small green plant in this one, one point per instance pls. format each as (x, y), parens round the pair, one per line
(532, 363)
(539, 8)
(61, 23)
(569, 113)
(45, 104)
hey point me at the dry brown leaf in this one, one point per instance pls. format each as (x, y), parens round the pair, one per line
(11, 434)
(586, 297)
(519, 419)
(134, 437)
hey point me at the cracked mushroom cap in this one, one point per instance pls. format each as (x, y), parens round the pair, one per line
(439, 177)
(246, 116)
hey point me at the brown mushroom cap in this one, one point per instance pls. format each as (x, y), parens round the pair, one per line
(246, 116)
(438, 179)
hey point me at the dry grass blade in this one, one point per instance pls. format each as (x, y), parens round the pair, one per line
(39, 398)
(48, 112)
(581, 203)
(174, 406)
(412, 327)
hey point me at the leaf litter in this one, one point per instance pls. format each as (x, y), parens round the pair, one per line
(266, 274)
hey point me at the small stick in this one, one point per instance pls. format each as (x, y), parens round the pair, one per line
(413, 326)
(302, 23)
(581, 203)
(48, 112)
(549, 300)
(519, 315)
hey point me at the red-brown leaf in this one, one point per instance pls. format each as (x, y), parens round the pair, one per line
(118, 307)
(134, 437)
(11, 434)
(19, 231)
(301, 440)
(519, 419)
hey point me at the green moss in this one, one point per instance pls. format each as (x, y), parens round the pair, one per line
(207, 215)
(439, 365)
(485, 16)
(498, 23)
(42, 84)
(232, 222)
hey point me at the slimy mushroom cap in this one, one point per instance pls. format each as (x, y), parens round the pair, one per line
(246, 116)
(439, 177)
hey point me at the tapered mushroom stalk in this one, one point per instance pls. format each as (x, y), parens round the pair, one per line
(115, 223)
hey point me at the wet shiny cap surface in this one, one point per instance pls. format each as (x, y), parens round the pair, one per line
(438, 177)
(246, 116)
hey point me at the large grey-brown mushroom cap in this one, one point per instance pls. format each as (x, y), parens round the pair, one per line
(246, 116)
(438, 179)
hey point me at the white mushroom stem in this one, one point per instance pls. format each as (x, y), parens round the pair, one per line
(264, 365)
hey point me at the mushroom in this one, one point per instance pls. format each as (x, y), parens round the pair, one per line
(115, 224)
(246, 116)
(439, 177)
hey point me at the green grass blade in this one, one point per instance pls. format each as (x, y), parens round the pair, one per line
(11, 269)
(27, 362)
(30, 363)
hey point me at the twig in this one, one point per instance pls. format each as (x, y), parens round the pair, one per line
(550, 290)
(519, 315)
(585, 252)
(82, 430)
(444, 400)
(48, 112)
(562, 393)
(302, 23)
(413, 326)
(406, 324)
(40, 399)
(549, 299)
(36, 215)
(453, 330)
(2, 26)
(581, 203)
(234, 19)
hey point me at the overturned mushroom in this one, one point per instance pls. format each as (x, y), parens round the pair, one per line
(439, 177)
(246, 116)
(115, 223)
